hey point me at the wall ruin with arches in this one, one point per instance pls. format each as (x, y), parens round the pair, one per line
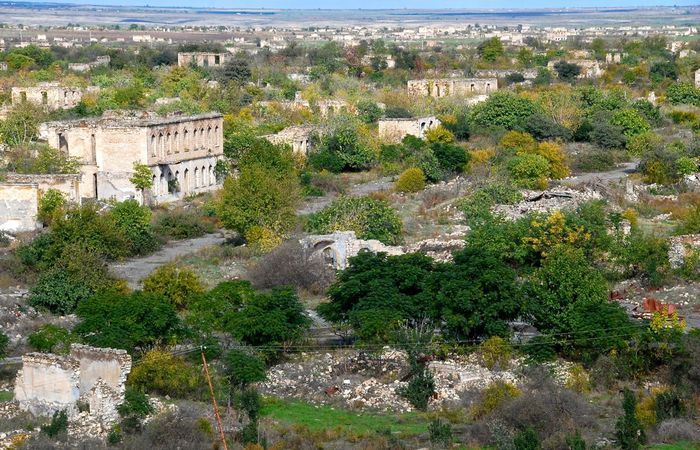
(446, 87)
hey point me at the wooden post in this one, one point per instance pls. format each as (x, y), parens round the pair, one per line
(213, 399)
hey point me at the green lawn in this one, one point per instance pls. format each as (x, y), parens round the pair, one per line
(319, 418)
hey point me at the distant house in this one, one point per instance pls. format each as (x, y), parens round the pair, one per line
(202, 59)
(447, 87)
(394, 130)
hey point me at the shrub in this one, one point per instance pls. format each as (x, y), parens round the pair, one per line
(367, 217)
(291, 265)
(669, 405)
(134, 221)
(451, 158)
(58, 425)
(440, 433)
(182, 224)
(629, 432)
(439, 135)
(51, 339)
(51, 204)
(495, 352)
(529, 170)
(527, 439)
(345, 147)
(411, 180)
(420, 388)
(503, 110)
(496, 393)
(368, 111)
(631, 122)
(177, 284)
(683, 93)
(578, 380)
(161, 373)
(4, 343)
(135, 403)
(262, 239)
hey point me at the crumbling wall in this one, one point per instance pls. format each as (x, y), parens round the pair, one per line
(449, 87)
(68, 184)
(19, 207)
(201, 59)
(48, 383)
(394, 130)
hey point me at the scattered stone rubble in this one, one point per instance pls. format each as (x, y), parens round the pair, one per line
(546, 202)
(356, 379)
(680, 247)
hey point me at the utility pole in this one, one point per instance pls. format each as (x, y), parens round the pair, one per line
(213, 399)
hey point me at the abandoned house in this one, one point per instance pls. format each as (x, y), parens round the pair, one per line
(51, 96)
(590, 68)
(394, 130)
(202, 59)
(19, 206)
(181, 151)
(446, 87)
(300, 138)
(100, 61)
(48, 383)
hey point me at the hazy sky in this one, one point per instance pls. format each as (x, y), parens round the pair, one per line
(378, 4)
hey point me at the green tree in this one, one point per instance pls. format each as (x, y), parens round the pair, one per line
(136, 321)
(237, 70)
(274, 320)
(629, 432)
(4, 343)
(134, 220)
(503, 109)
(344, 147)
(368, 111)
(21, 125)
(244, 368)
(51, 339)
(567, 71)
(142, 177)
(178, 284)
(491, 49)
(51, 204)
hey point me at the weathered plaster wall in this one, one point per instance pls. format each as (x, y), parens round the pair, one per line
(19, 203)
(394, 130)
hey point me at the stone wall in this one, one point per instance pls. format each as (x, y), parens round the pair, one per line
(394, 130)
(446, 87)
(697, 78)
(48, 383)
(528, 74)
(68, 184)
(19, 205)
(49, 95)
(202, 59)
(300, 138)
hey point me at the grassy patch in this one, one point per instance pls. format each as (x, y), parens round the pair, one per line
(320, 418)
(675, 446)
(6, 396)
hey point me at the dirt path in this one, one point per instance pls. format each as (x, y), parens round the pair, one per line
(621, 172)
(136, 269)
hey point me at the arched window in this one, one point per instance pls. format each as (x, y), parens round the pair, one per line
(196, 177)
(168, 144)
(205, 177)
(194, 139)
(176, 143)
(185, 141)
(160, 144)
(212, 175)
(153, 145)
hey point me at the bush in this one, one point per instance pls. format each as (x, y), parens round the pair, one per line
(134, 221)
(439, 135)
(529, 170)
(51, 204)
(291, 265)
(262, 239)
(440, 433)
(177, 284)
(527, 439)
(161, 373)
(683, 93)
(51, 339)
(367, 217)
(503, 110)
(495, 352)
(4, 343)
(182, 224)
(58, 425)
(411, 180)
(345, 147)
(629, 432)
(368, 111)
(495, 394)
(579, 380)
(420, 388)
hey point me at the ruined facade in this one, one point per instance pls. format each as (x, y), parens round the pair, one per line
(96, 376)
(300, 138)
(19, 207)
(337, 248)
(394, 130)
(100, 61)
(329, 107)
(67, 184)
(590, 68)
(181, 151)
(3, 66)
(528, 74)
(51, 96)
(446, 87)
(697, 78)
(202, 59)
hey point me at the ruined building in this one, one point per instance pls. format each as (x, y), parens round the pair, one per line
(446, 87)
(202, 59)
(697, 78)
(51, 96)
(394, 130)
(300, 138)
(19, 205)
(181, 151)
(49, 383)
(100, 61)
(590, 68)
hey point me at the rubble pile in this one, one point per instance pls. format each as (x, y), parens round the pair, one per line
(356, 379)
(546, 202)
